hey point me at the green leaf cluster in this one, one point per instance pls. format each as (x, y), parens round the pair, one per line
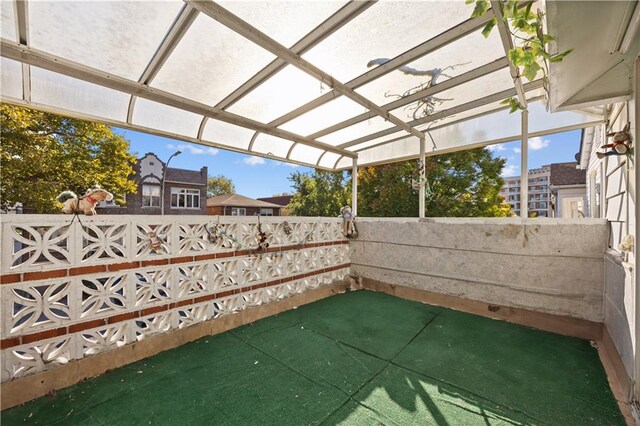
(219, 185)
(43, 154)
(319, 193)
(463, 184)
(531, 55)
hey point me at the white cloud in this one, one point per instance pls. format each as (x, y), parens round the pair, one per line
(509, 170)
(516, 150)
(538, 143)
(283, 163)
(253, 160)
(497, 147)
(196, 150)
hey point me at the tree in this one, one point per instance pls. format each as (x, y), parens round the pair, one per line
(319, 193)
(461, 184)
(219, 185)
(44, 154)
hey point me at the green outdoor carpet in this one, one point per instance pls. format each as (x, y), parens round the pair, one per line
(357, 358)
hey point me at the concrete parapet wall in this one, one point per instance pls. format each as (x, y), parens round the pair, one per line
(546, 265)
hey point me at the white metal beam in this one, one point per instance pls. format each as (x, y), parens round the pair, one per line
(220, 14)
(22, 34)
(34, 57)
(411, 55)
(450, 123)
(354, 187)
(422, 177)
(138, 128)
(507, 44)
(445, 113)
(524, 166)
(178, 29)
(429, 91)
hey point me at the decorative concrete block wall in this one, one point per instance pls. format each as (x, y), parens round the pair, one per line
(73, 290)
(546, 265)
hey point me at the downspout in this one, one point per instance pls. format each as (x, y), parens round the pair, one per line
(636, 212)
(524, 167)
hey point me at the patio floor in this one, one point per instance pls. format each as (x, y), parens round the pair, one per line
(356, 358)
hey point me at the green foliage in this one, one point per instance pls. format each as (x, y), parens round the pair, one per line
(319, 193)
(514, 104)
(463, 184)
(219, 185)
(531, 55)
(44, 154)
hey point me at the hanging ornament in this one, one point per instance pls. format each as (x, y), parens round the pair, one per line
(213, 233)
(348, 222)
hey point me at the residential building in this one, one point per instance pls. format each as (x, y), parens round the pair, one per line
(184, 190)
(539, 192)
(239, 205)
(568, 190)
(281, 200)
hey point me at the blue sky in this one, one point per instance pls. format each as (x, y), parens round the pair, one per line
(253, 176)
(557, 148)
(259, 177)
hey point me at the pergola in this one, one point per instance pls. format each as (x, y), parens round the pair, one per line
(332, 85)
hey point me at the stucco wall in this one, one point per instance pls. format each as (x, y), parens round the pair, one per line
(547, 265)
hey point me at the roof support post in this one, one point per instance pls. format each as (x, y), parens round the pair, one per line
(354, 187)
(421, 167)
(524, 167)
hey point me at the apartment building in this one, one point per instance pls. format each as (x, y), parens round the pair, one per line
(539, 192)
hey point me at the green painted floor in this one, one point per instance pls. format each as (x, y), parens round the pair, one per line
(357, 358)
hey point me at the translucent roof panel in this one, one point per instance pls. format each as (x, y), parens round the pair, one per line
(305, 154)
(11, 78)
(328, 160)
(8, 20)
(288, 89)
(491, 128)
(385, 30)
(271, 145)
(352, 132)
(284, 21)
(210, 62)
(467, 92)
(324, 116)
(168, 119)
(53, 89)
(228, 134)
(449, 61)
(118, 37)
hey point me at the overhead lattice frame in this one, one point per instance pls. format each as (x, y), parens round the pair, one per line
(161, 75)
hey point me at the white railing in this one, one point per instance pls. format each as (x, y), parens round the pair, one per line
(75, 289)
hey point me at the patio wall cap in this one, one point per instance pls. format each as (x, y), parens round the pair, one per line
(491, 220)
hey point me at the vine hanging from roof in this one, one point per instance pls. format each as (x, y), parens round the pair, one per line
(526, 27)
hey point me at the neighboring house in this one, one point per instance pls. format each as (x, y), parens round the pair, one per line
(539, 193)
(568, 190)
(281, 200)
(239, 205)
(185, 191)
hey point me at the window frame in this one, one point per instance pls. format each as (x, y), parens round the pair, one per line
(187, 196)
(236, 210)
(151, 196)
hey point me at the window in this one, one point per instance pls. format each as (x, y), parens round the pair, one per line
(266, 212)
(150, 196)
(238, 211)
(182, 198)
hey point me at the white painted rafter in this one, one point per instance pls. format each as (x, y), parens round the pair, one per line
(178, 29)
(495, 97)
(34, 57)
(22, 34)
(220, 14)
(507, 44)
(431, 45)
(429, 91)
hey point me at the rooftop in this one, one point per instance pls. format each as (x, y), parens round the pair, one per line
(237, 200)
(361, 358)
